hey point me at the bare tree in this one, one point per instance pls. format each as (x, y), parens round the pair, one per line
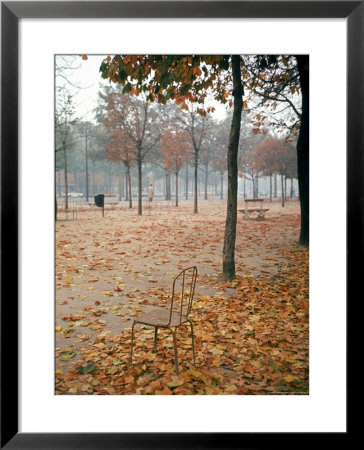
(197, 127)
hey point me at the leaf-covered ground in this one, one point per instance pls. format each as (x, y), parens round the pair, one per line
(251, 335)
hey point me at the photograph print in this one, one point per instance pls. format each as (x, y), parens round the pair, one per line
(181, 214)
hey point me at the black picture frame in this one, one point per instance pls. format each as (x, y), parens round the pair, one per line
(11, 12)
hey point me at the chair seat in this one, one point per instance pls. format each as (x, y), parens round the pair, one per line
(160, 317)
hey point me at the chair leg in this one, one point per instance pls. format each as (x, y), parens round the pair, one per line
(155, 337)
(193, 344)
(131, 343)
(175, 351)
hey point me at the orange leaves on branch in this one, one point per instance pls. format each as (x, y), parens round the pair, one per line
(276, 155)
(197, 71)
(171, 77)
(175, 149)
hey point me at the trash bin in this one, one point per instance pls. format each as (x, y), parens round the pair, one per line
(100, 200)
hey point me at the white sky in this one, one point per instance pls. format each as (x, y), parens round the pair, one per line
(88, 77)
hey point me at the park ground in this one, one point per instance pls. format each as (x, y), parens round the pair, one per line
(251, 334)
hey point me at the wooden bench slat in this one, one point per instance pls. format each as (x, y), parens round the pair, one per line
(254, 209)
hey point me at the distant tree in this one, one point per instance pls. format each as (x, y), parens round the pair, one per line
(197, 127)
(176, 150)
(66, 88)
(139, 126)
(249, 169)
(64, 119)
(249, 163)
(267, 159)
(277, 155)
(118, 150)
(219, 164)
(291, 164)
(65, 67)
(208, 156)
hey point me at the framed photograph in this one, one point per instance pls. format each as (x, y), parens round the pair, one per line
(74, 400)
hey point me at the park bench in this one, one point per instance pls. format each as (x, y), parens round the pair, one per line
(105, 195)
(248, 210)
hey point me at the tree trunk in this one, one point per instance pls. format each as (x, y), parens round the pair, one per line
(55, 199)
(187, 182)
(222, 184)
(270, 187)
(206, 181)
(176, 188)
(129, 187)
(93, 180)
(130, 195)
(282, 183)
(244, 185)
(285, 188)
(120, 183)
(195, 210)
(139, 186)
(59, 184)
(169, 190)
(165, 185)
(303, 149)
(168, 185)
(86, 171)
(228, 256)
(126, 184)
(291, 190)
(65, 178)
(275, 185)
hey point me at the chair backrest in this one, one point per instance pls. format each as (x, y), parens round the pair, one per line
(183, 290)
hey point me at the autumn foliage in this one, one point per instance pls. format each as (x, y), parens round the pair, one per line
(175, 149)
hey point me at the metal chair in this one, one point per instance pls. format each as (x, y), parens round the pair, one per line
(176, 314)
